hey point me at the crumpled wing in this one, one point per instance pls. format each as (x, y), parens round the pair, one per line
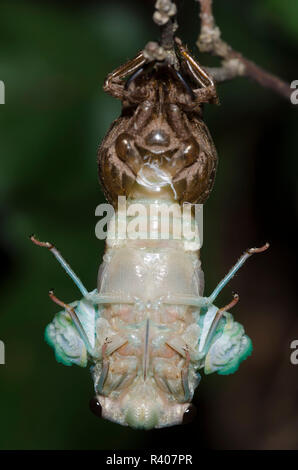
(62, 335)
(229, 348)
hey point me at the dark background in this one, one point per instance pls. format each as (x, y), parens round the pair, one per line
(53, 59)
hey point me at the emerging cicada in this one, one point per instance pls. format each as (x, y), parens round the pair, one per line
(147, 329)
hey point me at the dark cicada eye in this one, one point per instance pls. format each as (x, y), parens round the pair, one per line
(189, 414)
(191, 152)
(123, 146)
(95, 407)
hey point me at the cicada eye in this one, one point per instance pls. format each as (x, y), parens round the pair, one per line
(123, 146)
(191, 152)
(95, 407)
(189, 414)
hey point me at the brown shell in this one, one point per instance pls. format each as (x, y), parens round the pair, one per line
(186, 153)
(192, 183)
(115, 177)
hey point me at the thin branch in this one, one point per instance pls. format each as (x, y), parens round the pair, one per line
(233, 62)
(165, 17)
(167, 34)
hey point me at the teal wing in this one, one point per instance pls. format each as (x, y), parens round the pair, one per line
(230, 346)
(62, 335)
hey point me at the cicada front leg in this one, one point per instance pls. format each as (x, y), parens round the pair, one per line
(114, 84)
(207, 91)
(247, 254)
(223, 342)
(206, 302)
(72, 332)
(62, 262)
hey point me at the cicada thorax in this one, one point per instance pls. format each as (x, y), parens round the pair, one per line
(158, 147)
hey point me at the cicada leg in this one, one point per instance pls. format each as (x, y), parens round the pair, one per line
(219, 314)
(183, 82)
(247, 254)
(208, 91)
(109, 346)
(69, 309)
(207, 301)
(185, 376)
(105, 367)
(62, 262)
(113, 84)
(199, 74)
(76, 321)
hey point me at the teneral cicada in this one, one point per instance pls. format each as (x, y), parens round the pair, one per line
(147, 329)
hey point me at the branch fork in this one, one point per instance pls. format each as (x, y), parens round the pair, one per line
(233, 63)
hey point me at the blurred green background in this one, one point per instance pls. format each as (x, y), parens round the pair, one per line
(53, 60)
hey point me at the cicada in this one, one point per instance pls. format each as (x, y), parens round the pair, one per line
(147, 330)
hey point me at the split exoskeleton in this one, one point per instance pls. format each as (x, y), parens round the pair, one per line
(147, 329)
(160, 142)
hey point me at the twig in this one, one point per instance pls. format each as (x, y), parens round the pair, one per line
(165, 17)
(167, 34)
(233, 62)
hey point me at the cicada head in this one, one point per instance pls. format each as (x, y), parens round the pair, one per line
(143, 406)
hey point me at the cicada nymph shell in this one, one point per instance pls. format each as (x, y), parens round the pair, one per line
(160, 143)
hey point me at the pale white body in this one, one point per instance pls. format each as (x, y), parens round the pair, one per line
(148, 330)
(149, 381)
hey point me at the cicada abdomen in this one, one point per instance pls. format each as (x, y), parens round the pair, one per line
(147, 329)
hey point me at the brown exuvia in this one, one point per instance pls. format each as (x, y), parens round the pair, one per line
(160, 143)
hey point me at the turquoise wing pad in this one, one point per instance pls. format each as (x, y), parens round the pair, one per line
(62, 335)
(230, 346)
